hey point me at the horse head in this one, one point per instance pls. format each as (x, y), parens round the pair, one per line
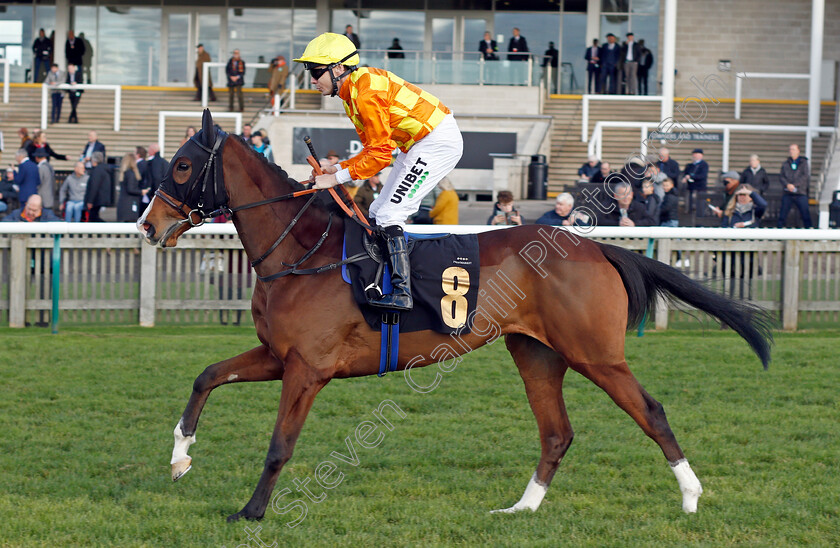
(192, 190)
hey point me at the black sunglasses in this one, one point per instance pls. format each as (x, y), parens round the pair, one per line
(318, 72)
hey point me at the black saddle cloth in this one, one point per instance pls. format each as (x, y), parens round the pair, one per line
(444, 279)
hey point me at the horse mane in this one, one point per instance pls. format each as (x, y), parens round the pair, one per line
(323, 201)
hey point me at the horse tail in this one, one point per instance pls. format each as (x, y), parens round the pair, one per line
(645, 278)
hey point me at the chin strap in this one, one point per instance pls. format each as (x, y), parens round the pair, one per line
(337, 79)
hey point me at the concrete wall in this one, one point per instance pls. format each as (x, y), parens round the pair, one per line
(756, 35)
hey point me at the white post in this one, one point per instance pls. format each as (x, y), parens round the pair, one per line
(117, 107)
(669, 47)
(6, 80)
(161, 130)
(276, 108)
(738, 89)
(530, 71)
(817, 24)
(725, 160)
(205, 75)
(584, 119)
(599, 145)
(643, 141)
(292, 90)
(43, 106)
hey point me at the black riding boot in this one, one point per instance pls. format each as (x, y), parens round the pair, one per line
(400, 296)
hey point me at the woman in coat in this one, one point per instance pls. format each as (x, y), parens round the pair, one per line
(128, 205)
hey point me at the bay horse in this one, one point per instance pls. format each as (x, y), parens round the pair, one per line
(560, 302)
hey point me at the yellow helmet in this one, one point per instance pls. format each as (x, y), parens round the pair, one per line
(329, 49)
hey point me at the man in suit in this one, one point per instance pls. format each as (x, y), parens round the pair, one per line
(74, 49)
(487, 48)
(518, 47)
(46, 174)
(42, 52)
(668, 165)
(156, 168)
(74, 76)
(93, 145)
(609, 56)
(695, 176)
(202, 57)
(98, 191)
(630, 53)
(235, 71)
(27, 178)
(593, 67)
(348, 32)
(645, 63)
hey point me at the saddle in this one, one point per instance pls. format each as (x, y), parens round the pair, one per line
(444, 278)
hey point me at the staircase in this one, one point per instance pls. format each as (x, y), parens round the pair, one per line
(568, 153)
(139, 123)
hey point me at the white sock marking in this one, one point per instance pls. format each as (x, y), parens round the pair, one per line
(182, 443)
(689, 485)
(531, 498)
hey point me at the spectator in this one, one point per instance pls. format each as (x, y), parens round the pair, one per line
(25, 139)
(517, 47)
(755, 175)
(609, 57)
(593, 67)
(74, 77)
(603, 172)
(32, 212)
(156, 168)
(74, 50)
(551, 57)
(235, 71)
(8, 192)
(731, 181)
(563, 213)
(634, 173)
(487, 47)
(795, 178)
(278, 74)
(695, 176)
(445, 211)
(93, 145)
(247, 133)
(46, 174)
(367, 193)
(669, 208)
(72, 193)
(202, 57)
(55, 77)
(262, 147)
(98, 191)
(630, 53)
(655, 176)
(645, 63)
(651, 201)
(667, 165)
(188, 134)
(128, 204)
(87, 59)
(331, 159)
(627, 211)
(40, 141)
(42, 50)
(348, 32)
(589, 169)
(504, 211)
(744, 209)
(27, 178)
(396, 50)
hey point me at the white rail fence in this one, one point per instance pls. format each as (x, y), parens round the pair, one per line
(46, 89)
(5, 63)
(596, 141)
(584, 116)
(105, 274)
(739, 83)
(164, 114)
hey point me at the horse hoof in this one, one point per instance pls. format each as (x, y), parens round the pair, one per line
(242, 514)
(180, 468)
(690, 499)
(512, 510)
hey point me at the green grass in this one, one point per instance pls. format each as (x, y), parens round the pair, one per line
(87, 419)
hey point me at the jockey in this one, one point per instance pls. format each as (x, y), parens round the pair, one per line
(387, 112)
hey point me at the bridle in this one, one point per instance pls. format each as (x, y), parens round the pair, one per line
(209, 170)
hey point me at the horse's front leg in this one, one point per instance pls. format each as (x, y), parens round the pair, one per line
(301, 383)
(257, 364)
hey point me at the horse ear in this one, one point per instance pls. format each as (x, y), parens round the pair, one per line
(207, 128)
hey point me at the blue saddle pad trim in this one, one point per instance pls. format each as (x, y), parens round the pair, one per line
(389, 348)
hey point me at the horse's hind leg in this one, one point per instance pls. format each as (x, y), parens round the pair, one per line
(257, 364)
(620, 384)
(542, 369)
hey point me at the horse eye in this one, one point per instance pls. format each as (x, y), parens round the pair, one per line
(183, 166)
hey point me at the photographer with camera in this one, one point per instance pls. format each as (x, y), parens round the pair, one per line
(504, 212)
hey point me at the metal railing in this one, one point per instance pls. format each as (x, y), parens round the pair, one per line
(67, 87)
(739, 83)
(164, 114)
(584, 122)
(5, 63)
